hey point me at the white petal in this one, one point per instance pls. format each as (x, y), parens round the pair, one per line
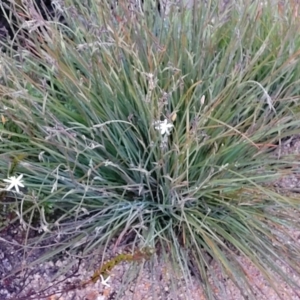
(20, 184)
(20, 177)
(17, 188)
(9, 180)
(10, 187)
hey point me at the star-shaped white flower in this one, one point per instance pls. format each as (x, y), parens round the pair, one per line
(14, 182)
(164, 127)
(104, 281)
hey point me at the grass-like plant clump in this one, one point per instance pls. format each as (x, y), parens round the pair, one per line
(161, 127)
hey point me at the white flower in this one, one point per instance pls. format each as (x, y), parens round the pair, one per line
(14, 183)
(104, 281)
(164, 127)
